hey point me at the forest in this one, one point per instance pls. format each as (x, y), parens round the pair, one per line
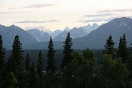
(106, 68)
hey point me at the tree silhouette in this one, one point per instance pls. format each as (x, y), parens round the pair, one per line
(27, 63)
(122, 49)
(109, 47)
(18, 59)
(2, 56)
(67, 58)
(40, 65)
(51, 55)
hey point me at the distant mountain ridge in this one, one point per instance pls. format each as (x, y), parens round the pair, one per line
(97, 38)
(9, 33)
(90, 28)
(55, 33)
(40, 36)
(76, 32)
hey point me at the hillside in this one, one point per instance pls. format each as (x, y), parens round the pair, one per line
(8, 34)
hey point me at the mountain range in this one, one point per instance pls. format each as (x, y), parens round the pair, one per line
(59, 35)
(83, 37)
(97, 38)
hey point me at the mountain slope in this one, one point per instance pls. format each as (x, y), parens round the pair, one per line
(74, 33)
(55, 33)
(40, 36)
(8, 34)
(90, 28)
(61, 36)
(116, 27)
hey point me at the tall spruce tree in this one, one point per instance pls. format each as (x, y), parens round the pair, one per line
(109, 47)
(17, 50)
(2, 62)
(67, 58)
(33, 81)
(51, 55)
(122, 49)
(17, 55)
(27, 63)
(2, 55)
(40, 66)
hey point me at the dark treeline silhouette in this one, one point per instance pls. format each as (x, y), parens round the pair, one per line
(77, 68)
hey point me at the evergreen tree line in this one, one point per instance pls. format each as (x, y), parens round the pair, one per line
(77, 69)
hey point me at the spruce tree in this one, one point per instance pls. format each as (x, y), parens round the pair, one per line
(67, 58)
(13, 64)
(122, 49)
(17, 50)
(2, 55)
(40, 66)
(109, 46)
(17, 55)
(51, 55)
(33, 81)
(27, 63)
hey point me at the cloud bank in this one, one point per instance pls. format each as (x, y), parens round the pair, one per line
(34, 6)
(116, 10)
(12, 12)
(99, 15)
(35, 21)
(39, 5)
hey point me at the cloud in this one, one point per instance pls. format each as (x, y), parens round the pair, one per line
(35, 21)
(12, 12)
(107, 13)
(116, 10)
(97, 20)
(39, 5)
(34, 6)
(99, 15)
(37, 27)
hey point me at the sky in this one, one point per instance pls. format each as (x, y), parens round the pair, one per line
(58, 14)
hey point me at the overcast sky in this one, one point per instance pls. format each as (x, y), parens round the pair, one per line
(58, 14)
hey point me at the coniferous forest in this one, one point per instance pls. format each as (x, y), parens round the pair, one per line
(78, 69)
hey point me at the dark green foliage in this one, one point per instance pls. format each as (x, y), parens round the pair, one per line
(79, 73)
(27, 63)
(129, 63)
(109, 47)
(51, 57)
(78, 69)
(17, 50)
(122, 49)
(113, 73)
(33, 81)
(10, 81)
(67, 58)
(2, 56)
(12, 64)
(40, 65)
(18, 60)
(52, 81)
